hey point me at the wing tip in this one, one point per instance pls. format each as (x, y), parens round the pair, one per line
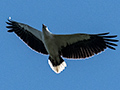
(108, 41)
(103, 33)
(10, 30)
(10, 21)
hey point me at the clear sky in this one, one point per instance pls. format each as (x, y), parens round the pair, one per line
(23, 69)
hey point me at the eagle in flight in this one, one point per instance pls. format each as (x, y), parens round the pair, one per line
(71, 46)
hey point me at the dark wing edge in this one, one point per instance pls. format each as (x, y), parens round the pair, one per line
(87, 48)
(31, 40)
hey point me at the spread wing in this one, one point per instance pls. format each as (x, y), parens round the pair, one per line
(84, 45)
(31, 36)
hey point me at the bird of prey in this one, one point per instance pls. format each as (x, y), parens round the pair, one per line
(71, 46)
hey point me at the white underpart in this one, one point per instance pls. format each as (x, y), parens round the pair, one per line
(59, 68)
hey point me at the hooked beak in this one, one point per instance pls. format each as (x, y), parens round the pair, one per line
(43, 26)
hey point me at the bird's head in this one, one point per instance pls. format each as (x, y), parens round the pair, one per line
(45, 29)
(43, 26)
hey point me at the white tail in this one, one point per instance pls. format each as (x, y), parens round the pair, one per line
(59, 68)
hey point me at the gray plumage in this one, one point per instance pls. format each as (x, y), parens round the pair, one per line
(73, 46)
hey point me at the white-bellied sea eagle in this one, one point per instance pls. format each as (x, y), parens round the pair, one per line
(71, 46)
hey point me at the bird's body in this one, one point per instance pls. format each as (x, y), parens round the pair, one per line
(73, 46)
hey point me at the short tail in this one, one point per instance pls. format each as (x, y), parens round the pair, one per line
(57, 66)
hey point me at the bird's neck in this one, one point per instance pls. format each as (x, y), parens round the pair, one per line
(46, 33)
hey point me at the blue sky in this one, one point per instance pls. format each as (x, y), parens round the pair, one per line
(23, 69)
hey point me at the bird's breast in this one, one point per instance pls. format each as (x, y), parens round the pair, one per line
(51, 45)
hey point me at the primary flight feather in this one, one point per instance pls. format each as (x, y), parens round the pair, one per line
(73, 46)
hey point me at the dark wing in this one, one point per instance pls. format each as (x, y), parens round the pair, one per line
(89, 45)
(31, 36)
